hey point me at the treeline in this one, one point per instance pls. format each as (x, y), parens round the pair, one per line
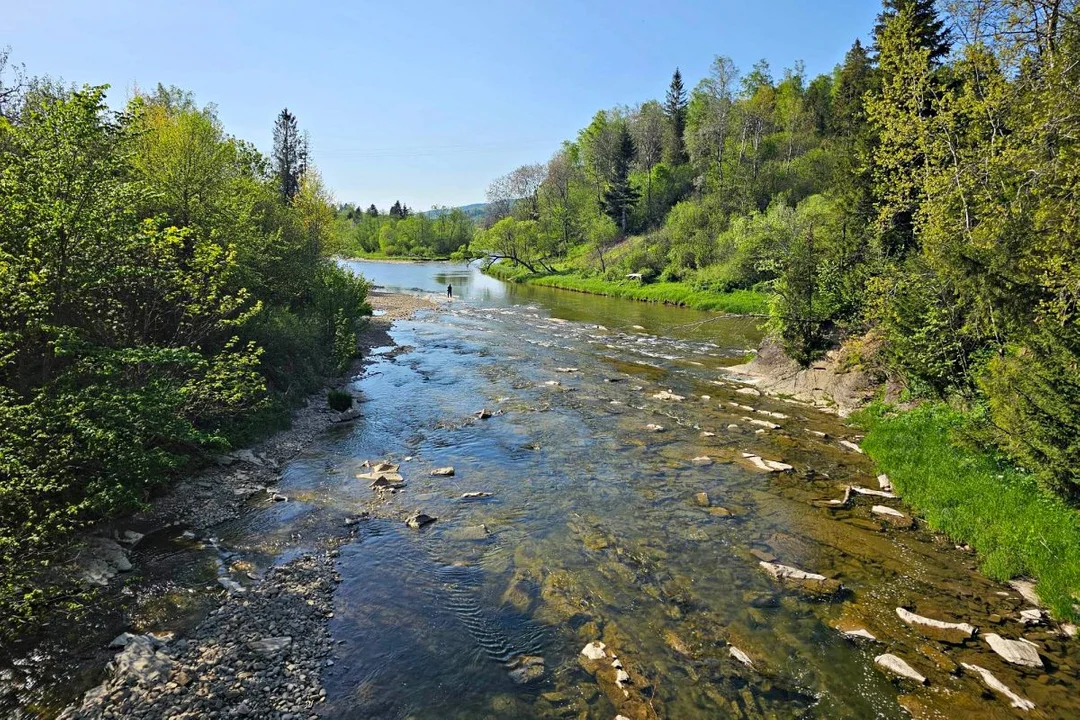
(164, 292)
(919, 203)
(400, 232)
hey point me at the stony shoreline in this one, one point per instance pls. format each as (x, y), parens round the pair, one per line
(262, 651)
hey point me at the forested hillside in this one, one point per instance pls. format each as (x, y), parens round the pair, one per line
(164, 291)
(919, 204)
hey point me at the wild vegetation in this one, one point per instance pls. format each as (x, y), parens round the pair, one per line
(920, 200)
(164, 292)
(439, 233)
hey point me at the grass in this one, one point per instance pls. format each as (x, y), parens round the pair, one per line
(1017, 527)
(739, 302)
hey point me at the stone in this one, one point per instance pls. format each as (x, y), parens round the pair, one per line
(860, 633)
(1032, 616)
(483, 414)
(717, 511)
(346, 415)
(1026, 588)
(766, 465)
(141, 662)
(706, 433)
(999, 687)
(566, 369)
(893, 517)
(871, 492)
(470, 532)
(1018, 652)
(762, 423)
(740, 656)
(130, 537)
(775, 415)
(526, 668)
(885, 510)
(898, 667)
(278, 497)
(474, 495)
(702, 461)
(762, 555)
(851, 446)
(383, 483)
(954, 633)
(653, 427)
(749, 391)
(884, 483)
(443, 471)
(732, 426)
(122, 640)
(702, 499)
(385, 467)
(418, 520)
(553, 383)
(595, 650)
(668, 395)
(233, 587)
(800, 578)
(270, 645)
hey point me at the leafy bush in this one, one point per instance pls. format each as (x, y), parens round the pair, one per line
(339, 400)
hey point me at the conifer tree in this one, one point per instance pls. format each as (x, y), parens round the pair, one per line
(620, 197)
(675, 109)
(928, 29)
(290, 154)
(373, 211)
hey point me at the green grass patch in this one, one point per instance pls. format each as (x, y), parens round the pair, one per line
(1017, 527)
(738, 302)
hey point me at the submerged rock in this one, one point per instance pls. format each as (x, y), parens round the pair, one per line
(898, 667)
(595, 650)
(949, 632)
(526, 668)
(999, 687)
(443, 471)
(1018, 652)
(766, 465)
(861, 633)
(740, 656)
(702, 499)
(474, 495)
(702, 461)
(483, 414)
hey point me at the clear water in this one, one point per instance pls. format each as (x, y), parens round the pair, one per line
(593, 532)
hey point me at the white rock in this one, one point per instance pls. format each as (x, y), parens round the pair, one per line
(475, 494)
(1018, 652)
(786, 572)
(869, 491)
(553, 383)
(732, 426)
(885, 510)
(1033, 616)
(702, 460)
(595, 650)
(999, 687)
(1026, 588)
(668, 395)
(851, 446)
(762, 423)
(912, 619)
(706, 433)
(884, 483)
(748, 391)
(566, 369)
(897, 666)
(622, 678)
(778, 416)
(859, 633)
(740, 656)
(767, 465)
(443, 471)
(653, 427)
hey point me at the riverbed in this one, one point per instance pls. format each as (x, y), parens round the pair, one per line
(609, 493)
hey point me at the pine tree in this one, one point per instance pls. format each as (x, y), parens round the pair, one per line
(929, 29)
(395, 209)
(290, 155)
(620, 197)
(373, 211)
(675, 109)
(853, 80)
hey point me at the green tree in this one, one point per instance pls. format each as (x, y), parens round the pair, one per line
(621, 196)
(290, 156)
(675, 109)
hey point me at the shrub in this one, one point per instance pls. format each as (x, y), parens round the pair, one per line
(339, 400)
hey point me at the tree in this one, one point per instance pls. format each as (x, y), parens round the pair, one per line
(675, 110)
(373, 211)
(709, 120)
(599, 145)
(620, 196)
(647, 130)
(395, 210)
(524, 184)
(290, 156)
(928, 30)
(854, 78)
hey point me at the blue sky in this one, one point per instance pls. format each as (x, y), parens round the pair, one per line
(422, 101)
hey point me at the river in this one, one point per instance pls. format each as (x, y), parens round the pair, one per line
(594, 530)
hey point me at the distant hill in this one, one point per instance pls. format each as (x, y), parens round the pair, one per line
(475, 211)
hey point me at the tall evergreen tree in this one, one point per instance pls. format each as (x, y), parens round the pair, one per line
(290, 154)
(929, 31)
(373, 211)
(620, 197)
(853, 80)
(675, 109)
(395, 209)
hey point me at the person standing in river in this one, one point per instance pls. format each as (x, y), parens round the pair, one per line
(450, 291)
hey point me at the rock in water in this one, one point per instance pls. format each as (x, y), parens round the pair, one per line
(443, 471)
(483, 413)
(526, 668)
(475, 495)
(702, 461)
(851, 446)
(668, 395)
(1018, 652)
(418, 520)
(270, 645)
(653, 427)
(884, 483)
(595, 650)
(740, 656)
(702, 499)
(897, 666)
(801, 579)
(954, 633)
(999, 687)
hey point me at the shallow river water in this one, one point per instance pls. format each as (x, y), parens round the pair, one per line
(594, 531)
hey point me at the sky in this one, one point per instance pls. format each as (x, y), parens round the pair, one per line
(420, 101)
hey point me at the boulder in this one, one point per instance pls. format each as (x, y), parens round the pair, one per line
(749, 391)
(345, 415)
(812, 582)
(418, 520)
(1018, 652)
(443, 471)
(948, 632)
(139, 661)
(595, 650)
(999, 687)
(1032, 616)
(702, 461)
(475, 495)
(898, 667)
(702, 499)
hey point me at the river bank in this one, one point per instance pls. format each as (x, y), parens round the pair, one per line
(736, 302)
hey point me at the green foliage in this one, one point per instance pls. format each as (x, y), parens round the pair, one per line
(159, 298)
(339, 400)
(1017, 528)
